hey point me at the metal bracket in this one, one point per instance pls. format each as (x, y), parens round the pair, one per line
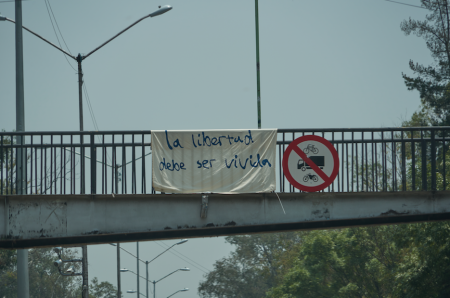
(204, 206)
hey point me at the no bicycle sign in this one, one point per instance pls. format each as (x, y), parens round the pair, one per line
(310, 163)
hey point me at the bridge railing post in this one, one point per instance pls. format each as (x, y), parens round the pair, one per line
(433, 161)
(424, 162)
(93, 164)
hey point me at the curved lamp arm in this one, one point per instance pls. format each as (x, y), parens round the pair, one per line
(182, 269)
(2, 18)
(184, 290)
(162, 10)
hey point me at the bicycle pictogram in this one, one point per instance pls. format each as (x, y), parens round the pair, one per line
(311, 148)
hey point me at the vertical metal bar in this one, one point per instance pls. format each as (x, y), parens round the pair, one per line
(284, 180)
(413, 165)
(424, 162)
(105, 154)
(383, 160)
(124, 167)
(394, 162)
(65, 164)
(347, 163)
(342, 161)
(54, 168)
(143, 181)
(24, 175)
(2, 152)
(133, 166)
(337, 147)
(403, 164)
(42, 161)
(362, 160)
(35, 171)
(93, 164)
(280, 169)
(82, 165)
(114, 182)
(376, 167)
(16, 188)
(31, 164)
(51, 164)
(61, 165)
(7, 170)
(367, 169)
(103, 181)
(372, 162)
(291, 187)
(72, 166)
(45, 170)
(444, 162)
(433, 160)
(353, 158)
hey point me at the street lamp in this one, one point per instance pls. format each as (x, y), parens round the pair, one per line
(146, 262)
(155, 281)
(80, 58)
(184, 290)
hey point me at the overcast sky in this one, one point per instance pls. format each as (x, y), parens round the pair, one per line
(324, 63)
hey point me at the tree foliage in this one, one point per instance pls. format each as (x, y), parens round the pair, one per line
(44, 278)
(432, 81)
(256, 265)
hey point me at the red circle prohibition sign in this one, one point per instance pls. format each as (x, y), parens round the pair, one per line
(293, 147)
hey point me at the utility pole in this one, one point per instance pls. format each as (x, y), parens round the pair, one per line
(258, 85)
(85, 289)
(22, 254)
(137, 261)
(118, 271)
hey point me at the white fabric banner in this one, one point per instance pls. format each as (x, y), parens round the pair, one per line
(217, 161)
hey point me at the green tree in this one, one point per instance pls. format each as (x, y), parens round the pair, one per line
(103, 289)
(358, 262)
(44, 278)
(432, 81)
(254, 267)
(426, 266)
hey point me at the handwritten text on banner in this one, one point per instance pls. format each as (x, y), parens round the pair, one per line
(220, 161)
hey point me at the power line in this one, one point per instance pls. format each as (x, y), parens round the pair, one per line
(91, 110)
(48, 1)
(183, 258)
(57, 38)
(187, 257)
(406, 4)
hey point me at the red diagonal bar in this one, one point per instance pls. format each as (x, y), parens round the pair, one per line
(311, 164)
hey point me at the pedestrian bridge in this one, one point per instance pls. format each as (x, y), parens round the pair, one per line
(73, 188)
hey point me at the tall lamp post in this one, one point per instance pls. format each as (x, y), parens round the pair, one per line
(146, 264)
(20, 126)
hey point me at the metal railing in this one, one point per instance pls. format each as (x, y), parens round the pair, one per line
(119, 162)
